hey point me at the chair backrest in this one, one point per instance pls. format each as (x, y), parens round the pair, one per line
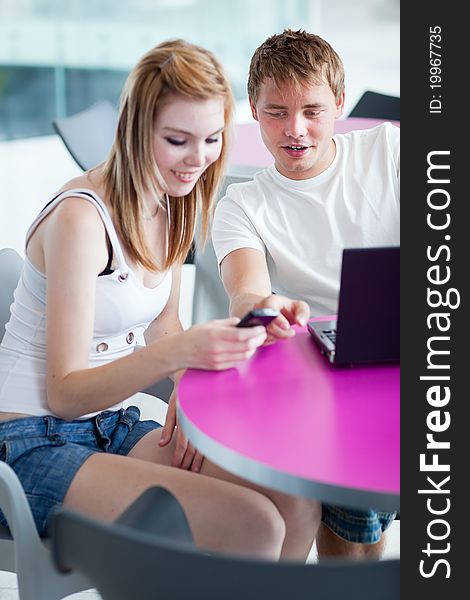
(210, 299)
(377, 106)
(126, 562)
(89, 134)
(11, 264)
(24, 553)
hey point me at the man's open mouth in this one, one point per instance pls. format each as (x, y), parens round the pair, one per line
(296, 150)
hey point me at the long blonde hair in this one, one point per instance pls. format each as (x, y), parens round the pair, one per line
(176, 67)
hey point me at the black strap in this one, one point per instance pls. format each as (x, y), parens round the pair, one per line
(107, 270)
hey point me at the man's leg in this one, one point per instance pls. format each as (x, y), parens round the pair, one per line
(352, 533)
(331, 545)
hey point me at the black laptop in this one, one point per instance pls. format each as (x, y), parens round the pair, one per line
(367, 327)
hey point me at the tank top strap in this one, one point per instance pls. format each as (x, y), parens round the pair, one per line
(91, 196)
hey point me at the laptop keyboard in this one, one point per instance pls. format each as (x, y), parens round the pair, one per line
(330, 334)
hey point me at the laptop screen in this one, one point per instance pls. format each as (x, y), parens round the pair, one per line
(368, 325)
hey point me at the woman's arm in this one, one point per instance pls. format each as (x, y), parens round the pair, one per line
(73, 246)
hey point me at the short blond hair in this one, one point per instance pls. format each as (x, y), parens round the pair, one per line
(296, 58)
(172, 67)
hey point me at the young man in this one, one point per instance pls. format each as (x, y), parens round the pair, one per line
(284, 232)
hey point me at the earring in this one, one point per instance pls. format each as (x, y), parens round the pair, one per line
(204, 176)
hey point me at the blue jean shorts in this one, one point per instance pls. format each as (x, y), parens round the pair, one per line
(46, 452)
(359, 526)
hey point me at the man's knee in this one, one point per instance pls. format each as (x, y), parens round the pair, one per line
(303, 512)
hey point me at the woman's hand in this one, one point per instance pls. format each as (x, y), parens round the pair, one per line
(185, 455)
(219, 345)
(215, 345)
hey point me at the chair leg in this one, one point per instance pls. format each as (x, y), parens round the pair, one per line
(42, 581)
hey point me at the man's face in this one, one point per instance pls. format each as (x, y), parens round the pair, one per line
(297, 126)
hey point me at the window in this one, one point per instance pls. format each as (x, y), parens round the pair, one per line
(57, 57)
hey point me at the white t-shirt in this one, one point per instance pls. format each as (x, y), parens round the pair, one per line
(303, 226)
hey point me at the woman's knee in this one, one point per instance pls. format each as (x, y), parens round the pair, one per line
(263, 523)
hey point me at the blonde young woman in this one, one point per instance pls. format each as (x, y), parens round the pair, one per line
(103, 262)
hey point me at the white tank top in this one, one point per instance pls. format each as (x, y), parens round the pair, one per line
(124, 307)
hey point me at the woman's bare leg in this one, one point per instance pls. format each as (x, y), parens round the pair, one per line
(223, 516)
(302, 516)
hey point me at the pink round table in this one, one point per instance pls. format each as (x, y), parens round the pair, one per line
(289, 420)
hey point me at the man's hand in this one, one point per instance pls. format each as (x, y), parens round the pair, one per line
(247, 282)
(185, 456)
(292, 312)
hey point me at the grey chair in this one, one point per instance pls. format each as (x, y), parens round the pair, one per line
(22, 551)
(89, 134)
(210, 299)
(374, 105)
(146, 558)
(11, 264)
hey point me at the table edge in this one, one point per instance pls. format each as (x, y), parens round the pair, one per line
(259, 473)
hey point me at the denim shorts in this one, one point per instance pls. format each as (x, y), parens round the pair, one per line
(359, 526)
(46, 452)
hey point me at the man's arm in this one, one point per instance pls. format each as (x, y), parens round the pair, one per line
(246, 279)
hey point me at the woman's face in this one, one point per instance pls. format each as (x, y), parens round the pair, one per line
(187, 138)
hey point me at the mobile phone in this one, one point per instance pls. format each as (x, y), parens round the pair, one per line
(258, 316)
